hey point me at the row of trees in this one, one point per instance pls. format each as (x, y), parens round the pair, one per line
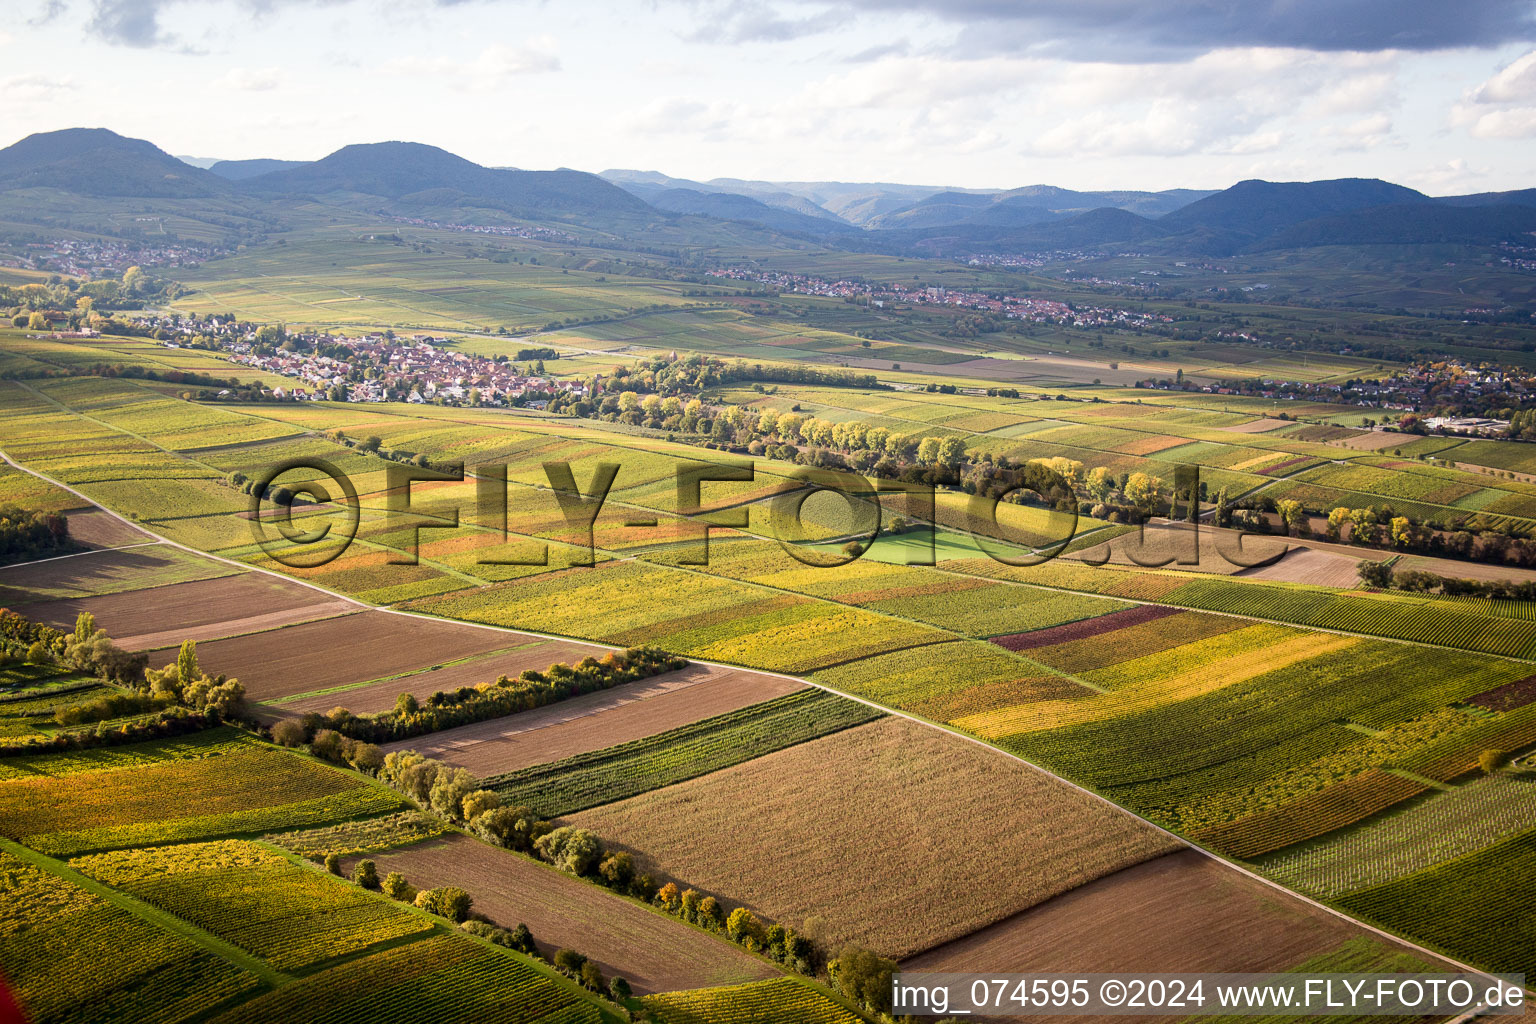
(29, 534)
(506, 696)
(456, 794)
(455, 904)
(1384, 576)
(187, 698)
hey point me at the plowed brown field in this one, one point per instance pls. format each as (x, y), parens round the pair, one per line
(596, 720)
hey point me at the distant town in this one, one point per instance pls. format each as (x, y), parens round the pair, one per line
(1010, 306)
(380, 367)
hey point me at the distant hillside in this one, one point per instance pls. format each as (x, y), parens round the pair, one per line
(1031, 204)
(649, 184)
(1520, 197)
(1410, 224)
(240, 170)
(1253, 209)
(729, 206)
(99, 163)
(415, 174)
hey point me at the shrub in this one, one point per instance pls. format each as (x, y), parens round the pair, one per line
(327, 744)
(617, 870)
(446, 901)
(576, 850)
(333, 864)
(366, 874)
(288, 733)
(515, 828)
(397, 888)
(592, 977)
(569, 961)
(1491, 761)
(479, 802)
(864, 977)
(620, 989)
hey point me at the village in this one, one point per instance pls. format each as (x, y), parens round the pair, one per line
(1012, 307)
(378, 367)
(1465, 399)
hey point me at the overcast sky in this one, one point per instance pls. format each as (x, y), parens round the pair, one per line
(1436, 94)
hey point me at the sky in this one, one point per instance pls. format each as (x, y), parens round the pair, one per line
(1136, 94)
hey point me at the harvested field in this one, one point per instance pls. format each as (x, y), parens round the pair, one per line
(1309, 565)
(97, 529)
(201, 610)
(1083, 628)
(1259, 426)
(1170, 546)
(652, 952)
(955, 822)
(596, 720)
(104, 572)
(1459, 569)
(1373, 440)
(1205, 916)
(374, 697)
(315, 655)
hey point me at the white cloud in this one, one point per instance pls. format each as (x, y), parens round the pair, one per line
(1513, 83)
(249, 79)
(35, 87)
(487, 70)
(1504, 105)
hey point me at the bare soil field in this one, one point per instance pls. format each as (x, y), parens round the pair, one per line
(97, 529)
(375, 697)
(1466, 570)
(1164, 542)
(103, 572)
(652, 952)
(897, 835)
(1311, 565)
(595, 720)
(1204, 917)
(1374, 440)
(1259, 426)
(204, 609)
(316, 655)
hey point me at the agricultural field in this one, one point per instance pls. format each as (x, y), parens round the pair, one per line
(625, 713)
(651, 951)
(1478, 905)
(444, 978)
(291, 917)
(71, 954)
(1325, 734)
(311, 656)
(762, 1002)
(614, 773)
(215, 784)
(981, 817)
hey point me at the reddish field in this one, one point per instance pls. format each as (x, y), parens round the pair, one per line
(596, 720)
(1507, 697)
(652, 952)
(375, 697)
(1083, 628)
(205, 609)
(315, 655)
(1181, 912)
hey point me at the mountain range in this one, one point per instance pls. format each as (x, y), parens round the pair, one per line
(412, 178)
